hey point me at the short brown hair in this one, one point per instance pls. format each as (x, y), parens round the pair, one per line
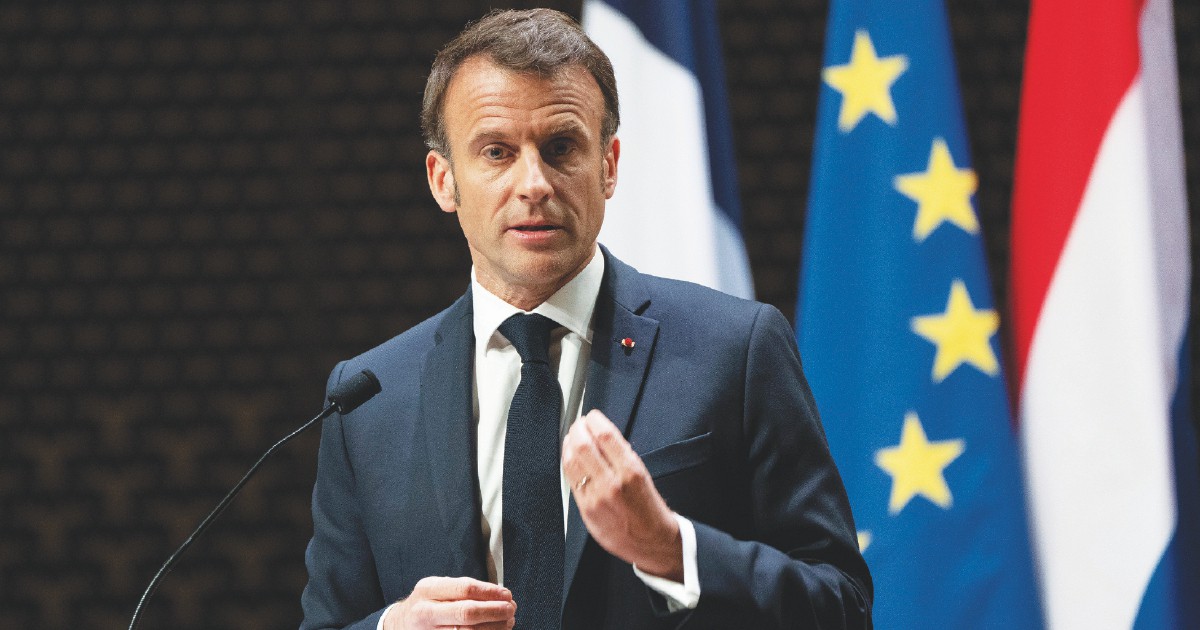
(538, 41)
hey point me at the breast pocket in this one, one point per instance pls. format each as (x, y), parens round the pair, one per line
(683, 473)
(678, 457)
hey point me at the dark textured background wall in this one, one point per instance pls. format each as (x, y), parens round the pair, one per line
(203, 205)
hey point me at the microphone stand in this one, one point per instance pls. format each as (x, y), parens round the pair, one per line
(212, 516)
(344, 398)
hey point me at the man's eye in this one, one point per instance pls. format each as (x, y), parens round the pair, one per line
(494, 153)
(559, 149)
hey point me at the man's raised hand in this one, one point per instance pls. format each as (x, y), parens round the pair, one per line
(617, 499)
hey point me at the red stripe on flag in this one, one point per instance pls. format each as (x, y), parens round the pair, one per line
(1081, 59)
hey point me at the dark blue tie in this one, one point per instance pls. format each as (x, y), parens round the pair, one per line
(533, 516)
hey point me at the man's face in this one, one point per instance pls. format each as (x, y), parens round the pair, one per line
(529, 176)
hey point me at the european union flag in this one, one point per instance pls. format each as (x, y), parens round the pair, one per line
(899, 333)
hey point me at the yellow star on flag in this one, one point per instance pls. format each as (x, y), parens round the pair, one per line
(942, 192)
(917, 466)
(864, 541)
(961, 334)
(865, 83)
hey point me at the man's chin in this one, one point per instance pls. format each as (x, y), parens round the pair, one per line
(543, 271)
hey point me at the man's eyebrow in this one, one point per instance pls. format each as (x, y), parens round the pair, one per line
(486, 136)
(499, 133)
(570, 127)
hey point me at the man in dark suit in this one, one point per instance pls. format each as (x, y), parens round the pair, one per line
(696, 492)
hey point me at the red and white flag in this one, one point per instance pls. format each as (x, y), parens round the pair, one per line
(1100, 288)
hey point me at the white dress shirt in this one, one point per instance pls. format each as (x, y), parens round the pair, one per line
(496, 375)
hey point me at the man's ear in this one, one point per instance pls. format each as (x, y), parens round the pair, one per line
(610, 167)
(441, 181)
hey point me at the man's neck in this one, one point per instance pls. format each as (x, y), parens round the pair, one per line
(524, 297)
(571, 306)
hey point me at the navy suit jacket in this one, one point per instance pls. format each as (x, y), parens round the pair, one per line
(711, 396)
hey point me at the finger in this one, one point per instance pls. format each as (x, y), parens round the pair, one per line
(460, 588)
(608, 440)
(493, 625)
(464, 613)
(582, 458)
(490, 625)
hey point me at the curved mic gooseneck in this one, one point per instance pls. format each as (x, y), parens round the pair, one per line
(344, 398)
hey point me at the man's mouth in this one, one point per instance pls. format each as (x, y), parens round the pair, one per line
(535, 228)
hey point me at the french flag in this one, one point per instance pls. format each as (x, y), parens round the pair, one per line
(1100, 293)
(676, 211)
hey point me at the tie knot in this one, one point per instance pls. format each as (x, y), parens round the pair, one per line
(530, 335)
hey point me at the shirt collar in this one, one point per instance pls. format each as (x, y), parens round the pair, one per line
(571, 306)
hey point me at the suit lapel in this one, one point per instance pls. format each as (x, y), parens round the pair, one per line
(446, 401)
(615, 373)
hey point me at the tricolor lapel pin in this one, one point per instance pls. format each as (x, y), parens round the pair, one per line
(628, 343)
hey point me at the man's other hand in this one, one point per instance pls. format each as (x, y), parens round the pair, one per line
(617, 499)
(445, 602)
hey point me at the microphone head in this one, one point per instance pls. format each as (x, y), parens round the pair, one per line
(354, 391)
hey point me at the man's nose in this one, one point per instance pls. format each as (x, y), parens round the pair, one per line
(532, 185)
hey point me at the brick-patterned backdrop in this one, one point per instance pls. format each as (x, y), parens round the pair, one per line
(204, 204)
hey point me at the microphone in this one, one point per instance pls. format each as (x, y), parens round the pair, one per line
(352, 392)
(345, 397)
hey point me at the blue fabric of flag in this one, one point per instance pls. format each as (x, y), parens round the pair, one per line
(898, 331)
(1170, 600)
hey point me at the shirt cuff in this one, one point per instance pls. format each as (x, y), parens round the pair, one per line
(379, 626)
(683, 596)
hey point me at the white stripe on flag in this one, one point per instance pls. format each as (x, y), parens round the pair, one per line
(663, 219)
(1101, 372)
(1093, 411)
(1168, 190)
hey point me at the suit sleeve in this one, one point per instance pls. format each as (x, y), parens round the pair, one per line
(802, 567)
(343, 587)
